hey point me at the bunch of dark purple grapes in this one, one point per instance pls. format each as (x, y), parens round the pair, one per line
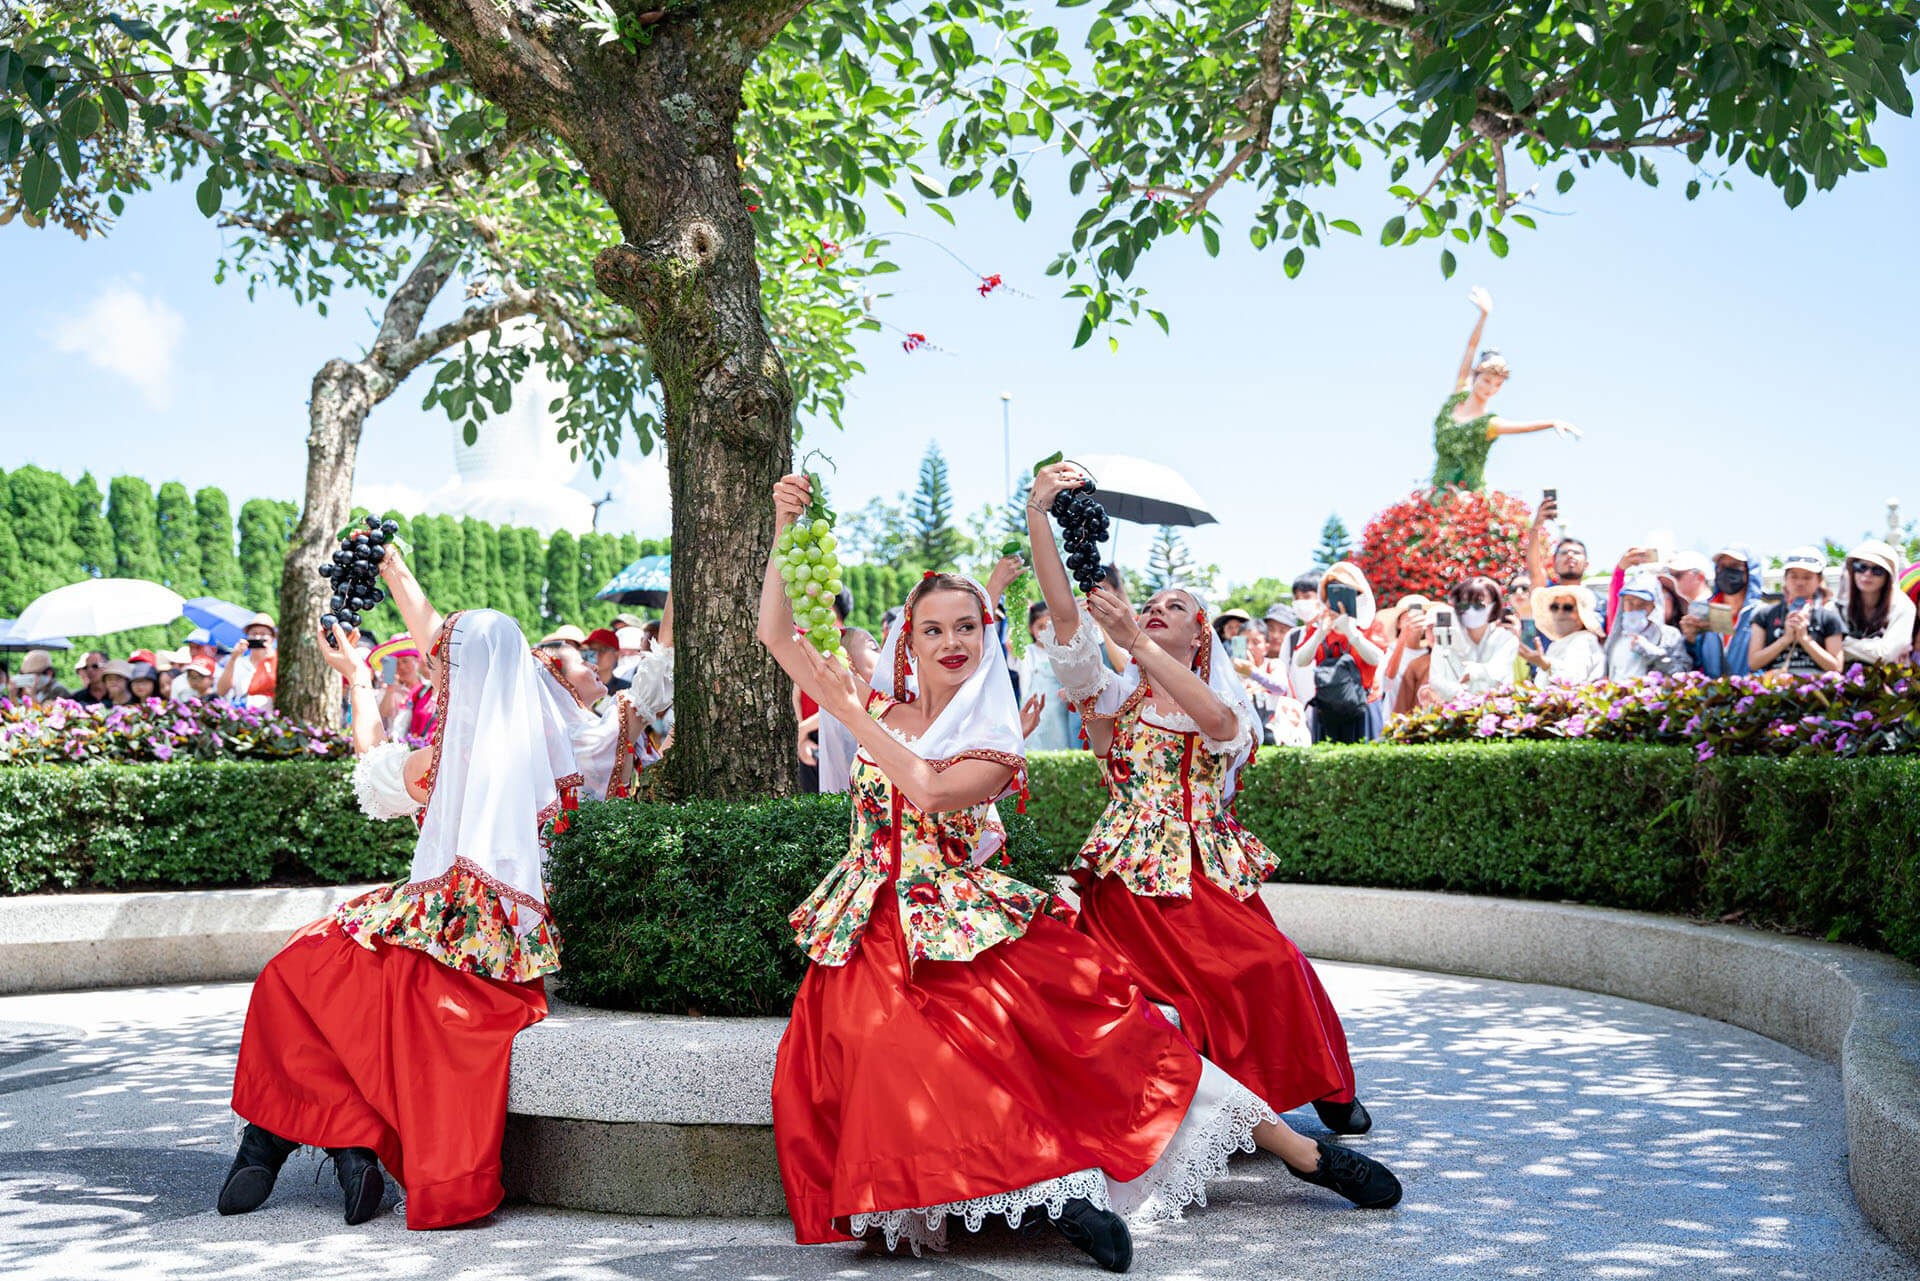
(1083, 526)
(355, 573)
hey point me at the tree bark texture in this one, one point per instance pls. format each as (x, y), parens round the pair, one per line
(653, 126)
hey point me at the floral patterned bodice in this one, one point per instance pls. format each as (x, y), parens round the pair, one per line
(1168, 805)
(950, 909)
(458, 919)
(1460, 448)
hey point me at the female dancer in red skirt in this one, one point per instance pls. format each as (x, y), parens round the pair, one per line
(1169, 879)
(954, 1050)
(383, 1033)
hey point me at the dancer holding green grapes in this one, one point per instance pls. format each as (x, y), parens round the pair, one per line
(955, 1051)
(1169, 878)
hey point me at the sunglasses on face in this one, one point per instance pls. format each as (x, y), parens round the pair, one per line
(1862, 567)
(1563, 609)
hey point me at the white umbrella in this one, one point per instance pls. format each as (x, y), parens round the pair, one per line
(1146, 493)
(98, 606)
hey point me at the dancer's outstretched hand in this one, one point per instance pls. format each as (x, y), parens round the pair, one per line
(840, 694)
(1030, 714)
(345, 657)
(1567, 431)
(1051, 482)
(1115, 616)
(1480, 298)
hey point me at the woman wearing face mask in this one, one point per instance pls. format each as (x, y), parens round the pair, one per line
(34, 682)
(1169, 878)
(1055, 732)
(1571, 627)
(1344, 640)
(1642, 639)
(1880, 618)
(1480, 652)
(955, 1051)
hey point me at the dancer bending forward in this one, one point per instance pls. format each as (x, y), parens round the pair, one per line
(954, 1050)
(383, 1033)
(1170, 881)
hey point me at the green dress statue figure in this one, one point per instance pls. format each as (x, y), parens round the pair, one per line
(1464, 430)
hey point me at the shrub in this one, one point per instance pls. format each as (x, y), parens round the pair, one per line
(1813, 844)
(1860, 711)
(671, 908)
(1432, 539)
(190, 824)
(69, 733)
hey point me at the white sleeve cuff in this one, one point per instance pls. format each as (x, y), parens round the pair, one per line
(652, 687)
(1077, 665)
(380, 783)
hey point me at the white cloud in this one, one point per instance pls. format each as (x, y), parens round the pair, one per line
(129, 333)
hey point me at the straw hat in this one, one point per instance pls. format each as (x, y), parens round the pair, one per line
(1588, 614)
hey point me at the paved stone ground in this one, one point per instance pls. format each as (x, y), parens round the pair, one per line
(1539, 1132)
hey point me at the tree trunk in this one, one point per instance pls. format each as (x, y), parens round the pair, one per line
(653, 124)
(308, 690)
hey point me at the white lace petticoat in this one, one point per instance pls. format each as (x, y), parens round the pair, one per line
(1219, 1122)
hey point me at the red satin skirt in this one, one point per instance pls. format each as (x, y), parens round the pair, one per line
(392, 1050)
(1036, 1059)
(1247, 998)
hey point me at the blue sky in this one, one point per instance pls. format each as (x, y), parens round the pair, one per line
(1742, 371)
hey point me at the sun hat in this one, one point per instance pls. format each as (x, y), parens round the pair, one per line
(204, 666)
(118, 668)
(631, 638)
(1582, 599)
(397, 645)
(1283, 615)
(566, 634)
(1698, 562)
(36, 661)
(263, 620)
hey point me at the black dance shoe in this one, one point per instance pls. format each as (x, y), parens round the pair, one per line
(1101, 1233)
(359, 1172)
(1343, 1118)
(1354, 1175)
(251, 1178)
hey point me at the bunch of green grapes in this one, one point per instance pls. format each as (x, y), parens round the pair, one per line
(1014, 599)
(810, 569)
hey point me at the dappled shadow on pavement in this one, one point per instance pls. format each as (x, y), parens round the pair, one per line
(1539, 1132)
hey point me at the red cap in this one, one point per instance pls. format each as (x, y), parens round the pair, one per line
(143, 656)
(601, 638)
(202, 665)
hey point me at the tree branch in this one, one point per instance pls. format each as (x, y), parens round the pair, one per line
(410, 84)
(1402, 14)
(1453, 158)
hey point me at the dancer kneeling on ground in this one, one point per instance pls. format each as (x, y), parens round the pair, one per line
(955, 1050)
(1169, 879)
(383, 1033)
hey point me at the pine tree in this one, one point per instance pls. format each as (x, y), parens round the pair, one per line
(563, 579)
(130, 514)
(219, 570)
(1336, 544)
(13, 589)
(1168, 564)
(40, 503)
(533, 563)
(263, 551)
(930, 514)
(179, 540)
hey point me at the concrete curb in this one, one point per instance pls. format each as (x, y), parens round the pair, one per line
(65, 942)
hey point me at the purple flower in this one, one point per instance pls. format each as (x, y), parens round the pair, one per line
(1703, 751)
(162, 749)
(1575, 727)
(1693, 727)
(1489, 726)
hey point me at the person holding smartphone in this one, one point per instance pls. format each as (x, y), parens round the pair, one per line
(1801, 633)
(1335, 665)
(1477, 652)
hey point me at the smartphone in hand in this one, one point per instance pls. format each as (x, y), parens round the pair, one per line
(1343, 599)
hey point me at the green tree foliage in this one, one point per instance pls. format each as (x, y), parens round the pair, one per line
(136, 542)
(936, 544)
(92, 536)
(13, 587)
(1169, 563)
(179, 540)
(1259, 596)
(563, 579)
(219, 569)
(40, 508)
(263, 551)
(1336, 543)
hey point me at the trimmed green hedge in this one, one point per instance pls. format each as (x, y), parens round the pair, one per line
(678, 908)
(1814, 845)
(111, 827)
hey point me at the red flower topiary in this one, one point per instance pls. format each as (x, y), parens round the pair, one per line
(1432, 539)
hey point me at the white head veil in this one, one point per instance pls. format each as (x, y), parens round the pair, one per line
(501, 762)
(983, 720)
(1214, 665)
(598, 738)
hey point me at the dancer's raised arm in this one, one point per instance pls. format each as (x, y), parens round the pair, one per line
(1484, 301)
(416, 611)
(1048, 569)
(1168, 673)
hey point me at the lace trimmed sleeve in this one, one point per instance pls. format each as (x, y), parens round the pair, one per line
(380, 784)
(652, 687)
(1078, 666)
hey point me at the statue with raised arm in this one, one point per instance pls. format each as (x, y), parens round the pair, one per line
(1464, 430)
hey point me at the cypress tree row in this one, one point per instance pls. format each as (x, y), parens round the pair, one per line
(40, 508)
(263, 552)
(179, 540)
(533, 564)
(13, 592)
(563, 579)
(93, 537)
(219, 568)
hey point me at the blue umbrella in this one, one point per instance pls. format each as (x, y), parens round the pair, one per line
(645, 582)
(9, 644)
(224, 621)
